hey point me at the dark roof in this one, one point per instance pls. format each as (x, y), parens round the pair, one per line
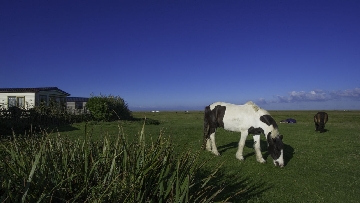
(36, 89)
(76, 99)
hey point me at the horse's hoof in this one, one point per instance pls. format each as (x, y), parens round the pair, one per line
(216, 153)
(281, 165)
(241, 158)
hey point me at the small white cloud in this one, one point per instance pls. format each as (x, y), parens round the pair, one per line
(261, 101)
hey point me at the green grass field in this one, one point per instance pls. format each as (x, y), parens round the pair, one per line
(319, 167)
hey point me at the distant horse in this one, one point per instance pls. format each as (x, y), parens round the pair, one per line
(320, 120)
(247, 119)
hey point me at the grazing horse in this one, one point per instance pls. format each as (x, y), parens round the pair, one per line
(320, 119)
(247, 119)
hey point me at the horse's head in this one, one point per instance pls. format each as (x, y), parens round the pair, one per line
(276, 149)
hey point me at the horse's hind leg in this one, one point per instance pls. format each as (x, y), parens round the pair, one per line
(208, 144)
(257, 148)
(210, 141)
(239, 153)
(213, 144)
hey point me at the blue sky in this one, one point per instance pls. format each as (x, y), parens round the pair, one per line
(178, 55)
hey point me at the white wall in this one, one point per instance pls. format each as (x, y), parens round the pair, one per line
(29, 98)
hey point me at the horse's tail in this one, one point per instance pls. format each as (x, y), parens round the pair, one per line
(321, 118)
(207, 118)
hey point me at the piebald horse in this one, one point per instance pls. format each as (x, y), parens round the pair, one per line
(246, 119)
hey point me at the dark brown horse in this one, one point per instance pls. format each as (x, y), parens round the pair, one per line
(320, 120)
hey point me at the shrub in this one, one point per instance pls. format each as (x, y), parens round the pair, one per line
(108, 108)
(19, 120)
(99, 108)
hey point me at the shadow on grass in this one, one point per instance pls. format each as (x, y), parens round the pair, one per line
(288, 150)
(34, 130)
(288, 153)
(242, 190)
(248, 144)
(324, 131)
(226, 147)
(63, 128)
(249, 190)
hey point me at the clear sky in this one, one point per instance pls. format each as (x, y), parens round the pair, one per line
(184, 55)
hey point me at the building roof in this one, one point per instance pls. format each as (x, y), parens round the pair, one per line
(76, 99)
(36, 89)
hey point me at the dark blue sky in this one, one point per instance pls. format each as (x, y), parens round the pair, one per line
(187, 54)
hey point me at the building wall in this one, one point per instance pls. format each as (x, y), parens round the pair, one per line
(29, 99)
(73, 107)
(70, 105)
(49, 95)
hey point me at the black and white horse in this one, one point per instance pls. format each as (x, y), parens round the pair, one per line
(247, 119)
(320, 120)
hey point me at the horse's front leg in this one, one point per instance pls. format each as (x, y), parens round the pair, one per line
(316, 127)
(257, 148)
(239, 153)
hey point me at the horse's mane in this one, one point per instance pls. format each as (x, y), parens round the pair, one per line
(254, 106)
(257, 109)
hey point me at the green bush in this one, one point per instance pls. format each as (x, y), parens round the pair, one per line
(98, 106)
(58, 170)
(108, 108)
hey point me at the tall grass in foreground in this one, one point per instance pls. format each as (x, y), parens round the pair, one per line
(45, 169)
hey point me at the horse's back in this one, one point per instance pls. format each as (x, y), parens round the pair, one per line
(321, 117)
(234, 108)
(238, 117)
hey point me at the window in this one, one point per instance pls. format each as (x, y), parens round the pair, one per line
(11, 101)
(21, 102)
(52, 99)
(78, 105)
(63, 100)
(16, 101)
(43, 99)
